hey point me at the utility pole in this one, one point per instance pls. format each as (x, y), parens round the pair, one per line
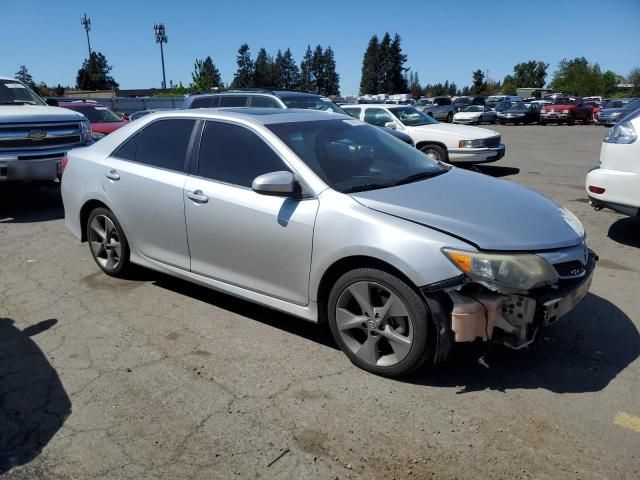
(86, 23)
(161, 38)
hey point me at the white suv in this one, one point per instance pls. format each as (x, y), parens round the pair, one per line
(441, 141)
(615, 184)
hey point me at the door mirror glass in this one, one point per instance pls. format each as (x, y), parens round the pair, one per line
(391, 125)
(282, 184)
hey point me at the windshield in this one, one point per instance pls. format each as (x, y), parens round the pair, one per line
(312, 103)
(412, 117)
(96, 114)
(491, 103)
(502, 106)
(474, 108)
(564, 101)
(423, 102)
(352, 156)
(462, 101)
(633, 105)
(517, 106)
(12, 92)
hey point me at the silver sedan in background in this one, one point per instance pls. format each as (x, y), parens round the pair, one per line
(329, 219)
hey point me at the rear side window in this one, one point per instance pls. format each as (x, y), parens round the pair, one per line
(354, 112)
(266, 102)
(200, 102)
(233, 101)
(127, 151)
(164, 143)
(234, 154)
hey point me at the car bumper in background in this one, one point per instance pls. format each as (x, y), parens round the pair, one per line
(12, 168)
(554, 117)
(621, 190)
(476, 155)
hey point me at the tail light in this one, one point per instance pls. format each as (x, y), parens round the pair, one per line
(63, 164)
(594, 189)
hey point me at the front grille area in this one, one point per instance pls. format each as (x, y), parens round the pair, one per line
(492, 142)
(570, 269)
(39, 136)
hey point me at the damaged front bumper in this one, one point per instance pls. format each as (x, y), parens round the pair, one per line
(464, 311)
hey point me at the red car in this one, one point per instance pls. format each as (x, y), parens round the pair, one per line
(566, 110)
(103, 121)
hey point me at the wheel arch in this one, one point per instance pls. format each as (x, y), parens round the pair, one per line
(423, 143)
(88, 207)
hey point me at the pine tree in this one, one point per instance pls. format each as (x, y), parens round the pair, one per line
(478, 82)
(94, 74)
(453, 89)
(384, 70)
(331, 77)
(264, 72)
(396, 81)
(243, 77)
(205, 76)
(318, 70)
(307, 82)
(370, 66)
(25, 77)
(414, 85)
(288, 73)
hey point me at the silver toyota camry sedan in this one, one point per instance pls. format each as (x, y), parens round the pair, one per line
(329, 219)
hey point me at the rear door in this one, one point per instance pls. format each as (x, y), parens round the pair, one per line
(144, 179)
(258, 242)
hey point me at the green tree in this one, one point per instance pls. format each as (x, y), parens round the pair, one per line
(331, 77)
(478, 86)
(578, 77)
(395, 80)
(25, 77)
(415, 89)
(508, 85)
(608, 83)
(243, 77)
(307, 81)
(264, 75)
(530, 74)
(634, 80)
(205, 76)
(95, 74)
(369, 83)
(287, 74)
(318, 69)
(384, 68)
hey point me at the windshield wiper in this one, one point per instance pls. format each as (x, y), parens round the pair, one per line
(365, 186)
(17, 102)
(419, 176)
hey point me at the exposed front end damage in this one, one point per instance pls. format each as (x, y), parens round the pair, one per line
(467, 311)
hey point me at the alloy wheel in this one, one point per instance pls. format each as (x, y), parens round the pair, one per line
(104, 241)
(374, 323)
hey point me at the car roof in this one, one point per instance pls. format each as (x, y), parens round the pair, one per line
(3, 77)
(264, 116)
(80, 104)
(277, 93)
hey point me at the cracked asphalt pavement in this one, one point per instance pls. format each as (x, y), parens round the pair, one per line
(155, 378)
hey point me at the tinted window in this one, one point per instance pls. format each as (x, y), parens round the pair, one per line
(377, 116)
(354, 112)
(200, 102)
(164, 143)
(235, 155)
(442, 101)
(266, 102)
(127, 151)
(233, 101)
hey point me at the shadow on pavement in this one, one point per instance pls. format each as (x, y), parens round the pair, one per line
(27, 203)
(497, 171)
(626, 231)
(302, 328)
(583, 352)
(33, 402)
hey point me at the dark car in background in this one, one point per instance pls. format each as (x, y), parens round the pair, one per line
(520, 112)
(461, 103)
(614, 110)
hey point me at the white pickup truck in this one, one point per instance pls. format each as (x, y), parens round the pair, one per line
(449, 143)
(35, 136)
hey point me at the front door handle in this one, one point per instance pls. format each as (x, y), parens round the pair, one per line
(112, 175)
(198, 196)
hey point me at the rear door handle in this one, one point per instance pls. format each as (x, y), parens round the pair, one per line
(112, 175)
(198, 197)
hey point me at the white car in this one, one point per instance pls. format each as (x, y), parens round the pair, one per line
(475, 114)
(615, 184)
(443, 142)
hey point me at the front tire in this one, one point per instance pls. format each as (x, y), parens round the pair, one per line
(380, 322)
(571, 121)
(107, 243)
(449, 117)
(436, 152)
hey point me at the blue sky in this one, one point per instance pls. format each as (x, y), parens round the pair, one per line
(442, 39)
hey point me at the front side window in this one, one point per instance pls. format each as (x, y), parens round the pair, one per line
(351, 156)
(264, 102)
(377, 116)
(353, 112)
(13, 92)
(412, 117)
(236, 155)
(164, 143)
(233, 101)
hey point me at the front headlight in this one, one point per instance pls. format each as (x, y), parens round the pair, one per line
(98, 135)
(517, 272)
(478, 143)
(565, 111)
(623, 133)
(573, 221)
(85, 131)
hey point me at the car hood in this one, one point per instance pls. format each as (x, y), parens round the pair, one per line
(610, 111)
(458, 131)
(489, 213)
(107, 127)
(559, 106)
(507, 112)
(467, 114)
(37, 113)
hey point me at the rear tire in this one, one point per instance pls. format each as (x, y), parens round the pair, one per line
(380, 322)
(587, 119)
(571, 121)
(107, 243)
(449, 117)
(436, 152)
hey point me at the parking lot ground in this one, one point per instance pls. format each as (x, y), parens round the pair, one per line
(154, 378)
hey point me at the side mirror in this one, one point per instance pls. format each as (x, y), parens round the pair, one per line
(391, 125)
(52, 102)
(280, 184)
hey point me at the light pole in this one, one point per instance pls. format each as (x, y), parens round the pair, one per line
(161, 38)
(86, 23)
